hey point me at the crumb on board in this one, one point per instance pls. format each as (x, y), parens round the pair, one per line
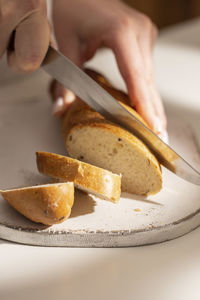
(137, 209)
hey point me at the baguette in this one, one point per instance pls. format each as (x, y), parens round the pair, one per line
(47, 204)
(86, 177)
(91, 138)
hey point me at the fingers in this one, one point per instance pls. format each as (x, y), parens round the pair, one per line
(146, 43)
(62, 98)
(137, 73)
(129, 60)
(129, 34)
(32, 37)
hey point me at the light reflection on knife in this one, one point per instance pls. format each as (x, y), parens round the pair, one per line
(72, 77)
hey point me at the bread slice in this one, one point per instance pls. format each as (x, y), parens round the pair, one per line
(92, 139)
(86, 177)
(47, 204)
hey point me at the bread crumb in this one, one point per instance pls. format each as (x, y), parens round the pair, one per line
(137, 209)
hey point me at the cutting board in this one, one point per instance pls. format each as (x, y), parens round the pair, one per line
(27, 125)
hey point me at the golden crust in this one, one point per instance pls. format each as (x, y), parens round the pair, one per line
(103, 81)
(80, 112)
(87, 177)
(81, 115)
(47, 204)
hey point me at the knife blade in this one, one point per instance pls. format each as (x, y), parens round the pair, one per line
(72, 77)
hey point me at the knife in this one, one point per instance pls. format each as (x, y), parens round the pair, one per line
(72, 77)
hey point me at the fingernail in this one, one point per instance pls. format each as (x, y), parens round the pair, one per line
(157, 125)
(164, 136)
(58, 105)
(158, 128)
(70, 97)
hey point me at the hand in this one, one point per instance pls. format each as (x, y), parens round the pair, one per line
(24, 24)
(83, 26)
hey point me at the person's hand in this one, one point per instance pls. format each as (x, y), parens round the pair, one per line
(83, 26)
(24, 33)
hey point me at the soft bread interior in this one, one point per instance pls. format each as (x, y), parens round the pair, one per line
(127, 155)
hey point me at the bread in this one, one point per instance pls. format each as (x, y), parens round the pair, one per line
(47, 204)
(86, 177)
(92, 139)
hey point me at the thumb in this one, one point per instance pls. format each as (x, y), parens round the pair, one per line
(31, 42)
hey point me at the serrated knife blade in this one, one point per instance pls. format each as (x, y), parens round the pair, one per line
(72, 77)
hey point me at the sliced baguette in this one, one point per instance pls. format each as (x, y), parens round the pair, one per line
(47, 204)
(86, 177)
(92, 139)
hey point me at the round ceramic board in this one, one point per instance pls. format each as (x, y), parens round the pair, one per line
(27, 125)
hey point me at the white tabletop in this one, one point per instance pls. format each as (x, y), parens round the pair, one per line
(166, 271)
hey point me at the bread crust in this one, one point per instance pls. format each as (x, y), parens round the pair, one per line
(47, 204)
(80, 115)
(89, 178)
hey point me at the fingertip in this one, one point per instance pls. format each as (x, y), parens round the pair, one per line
(63, 101)
(58, 107)
(32, 62)
(157, 125)
(69, 97)
(26, 63)
(160, 130)
(57, 90)
(165, 137)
